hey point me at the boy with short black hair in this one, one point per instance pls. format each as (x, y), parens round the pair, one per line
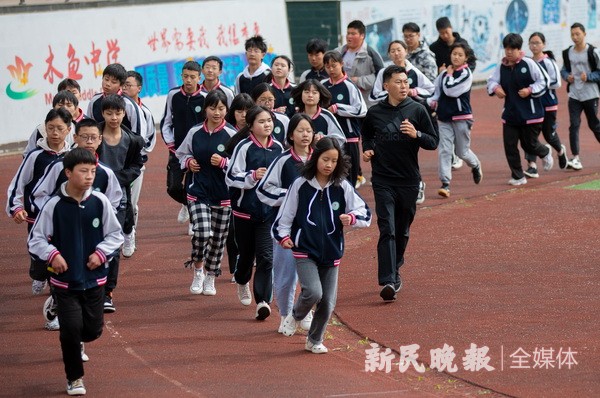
(256, 71)
(418, 53)
(114, 77)
(183, 110)
(315, 49)
(76, 250)
(581, 71)
(121, 151)
(446, 38)
(72, 86)
(523, 111)
(133, 87)
(212, 66)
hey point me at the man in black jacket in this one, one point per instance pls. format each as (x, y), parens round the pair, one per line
(441, 47)
(393, 132)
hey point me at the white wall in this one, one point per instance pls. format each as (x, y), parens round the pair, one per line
(483, 23)
(26, 92)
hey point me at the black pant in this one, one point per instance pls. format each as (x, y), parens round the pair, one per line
(232, 250)
(590, 108)
(175, 187)
(351, 149)
(549, 133)
(253, 239)
(527, 134)
(395, 208)
(81, 320)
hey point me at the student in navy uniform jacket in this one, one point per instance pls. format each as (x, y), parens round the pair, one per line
(310, 223)
(183, 110)
(315, 50)
(256, 71)
(271, 191)
(75, 233)
(212, 67)
(281, 67)
(203, 154)
(264, 95)
(252, 218)
(521, 82)
(312, 98)
(348, 106)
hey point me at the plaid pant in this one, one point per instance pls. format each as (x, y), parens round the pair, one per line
(210, 225)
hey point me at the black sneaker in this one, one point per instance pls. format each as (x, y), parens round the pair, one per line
(531, 172)
(109, 307)
(477, 174)
(563, 160)
(388, 293)
(398, 285)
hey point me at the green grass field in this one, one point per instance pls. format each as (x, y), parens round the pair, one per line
(588, 186)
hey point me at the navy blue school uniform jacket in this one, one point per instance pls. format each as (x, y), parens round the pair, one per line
(327, 125)
(550, 100)
(525, 73)
(283, 97)
(310, 217)
(75, 231)
(30, 172)
(182, 112)
(453, 95)
(280, 126)
(208, 185)
(248, 156)
(349, 106)
(245, 82)
(281, 174)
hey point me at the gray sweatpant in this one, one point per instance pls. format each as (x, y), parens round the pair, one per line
(455, 135)
(319, 286)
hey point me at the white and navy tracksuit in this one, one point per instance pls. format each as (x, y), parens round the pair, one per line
(550, 104)
(455, 118)
(280, 126)
(76, 230)
(207, 194)
(182, 112)
(327, 125)
(30, 172)
(245, 82)
(283, 97)
(271, 191)
(134, 118)
(310, 218)
(136, 186)
(105, 181)
(349, 106)
(252, 218)
(522, 117)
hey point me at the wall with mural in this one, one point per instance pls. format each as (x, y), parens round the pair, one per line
(482, 23)
(156, 40)
(39, 49)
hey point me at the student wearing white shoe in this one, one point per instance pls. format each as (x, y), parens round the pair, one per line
(311, 224)
(523, 111)
(252, 219)
(271, 191)
(202, 152)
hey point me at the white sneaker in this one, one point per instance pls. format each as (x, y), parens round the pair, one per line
(280, 329)
(288, 328)
(52, 325)
(263, 310)
(421, 194)
(209, 288)
(520, 181)
(457, 164)
(76, 387)
(183, 215)
(575, 164)
(37, 287)
(315, 348)
(191, 229)
(49, 309)
(84, 356)
(305, 323)
(548, 160)
(198, 282)
(244, 294)
(129, 244)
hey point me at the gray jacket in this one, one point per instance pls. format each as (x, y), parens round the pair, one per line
(366, 65)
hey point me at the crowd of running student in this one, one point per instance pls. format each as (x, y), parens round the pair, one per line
(268, 170)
